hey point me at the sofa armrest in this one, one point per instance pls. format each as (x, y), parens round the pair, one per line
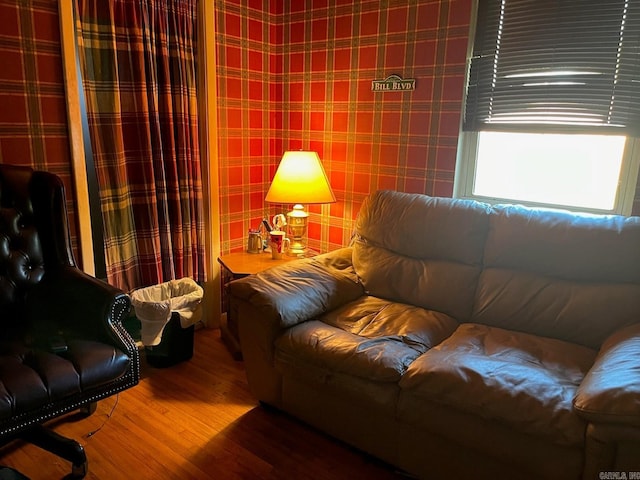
(281, 297)
(294, 292)
(610, 392)
(69, 300)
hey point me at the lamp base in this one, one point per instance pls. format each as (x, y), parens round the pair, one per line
(297, 249)
(305, 253)
(297, 224)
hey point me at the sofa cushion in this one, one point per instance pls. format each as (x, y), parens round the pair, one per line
(546, 272)
(577, 312)
(431, 248)
(520, 380)
(369, 338)
(610, 393)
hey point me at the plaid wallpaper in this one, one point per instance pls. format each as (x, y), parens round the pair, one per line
(248, 114)
(298, 75)
(33, 116)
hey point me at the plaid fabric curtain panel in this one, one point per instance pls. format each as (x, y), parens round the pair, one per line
(138, 60)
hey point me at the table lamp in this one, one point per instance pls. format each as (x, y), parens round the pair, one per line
(300, 179)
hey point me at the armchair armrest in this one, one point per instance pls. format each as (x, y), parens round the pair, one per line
(610, 392)
(70, 300)
(298, 291)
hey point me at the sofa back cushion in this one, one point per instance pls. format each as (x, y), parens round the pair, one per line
(421, 250)
(561, 275)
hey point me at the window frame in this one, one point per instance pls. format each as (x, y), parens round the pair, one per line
(466, 168)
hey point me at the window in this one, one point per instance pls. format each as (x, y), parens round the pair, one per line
(552, 110)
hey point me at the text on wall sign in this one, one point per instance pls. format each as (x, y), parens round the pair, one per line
(394, 83)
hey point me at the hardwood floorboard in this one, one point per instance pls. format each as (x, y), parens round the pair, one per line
(196, 420)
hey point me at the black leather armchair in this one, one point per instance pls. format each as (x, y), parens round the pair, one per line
(62, 343)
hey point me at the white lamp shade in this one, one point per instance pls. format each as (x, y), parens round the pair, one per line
(300, 178)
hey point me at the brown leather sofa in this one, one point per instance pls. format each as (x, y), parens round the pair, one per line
(455, 339)
(62, 343)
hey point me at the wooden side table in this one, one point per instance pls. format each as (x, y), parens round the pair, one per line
(234, 266)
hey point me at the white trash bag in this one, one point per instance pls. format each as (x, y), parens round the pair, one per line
(153, 307)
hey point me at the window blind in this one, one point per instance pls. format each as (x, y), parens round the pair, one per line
(555, 65)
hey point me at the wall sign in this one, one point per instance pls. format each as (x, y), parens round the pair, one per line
(394, 83)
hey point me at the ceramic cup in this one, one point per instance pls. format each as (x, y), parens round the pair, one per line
(279, 244)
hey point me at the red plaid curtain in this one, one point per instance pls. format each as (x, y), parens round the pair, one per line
(139, 73)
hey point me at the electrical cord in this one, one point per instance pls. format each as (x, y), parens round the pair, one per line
(93, 432)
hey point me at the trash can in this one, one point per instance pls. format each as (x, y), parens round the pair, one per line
(168, 313)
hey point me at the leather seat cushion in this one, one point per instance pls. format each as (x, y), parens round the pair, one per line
(368, 338)
(30, 378)
(520, 380)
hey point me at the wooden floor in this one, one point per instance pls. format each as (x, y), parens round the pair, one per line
(196, 420)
